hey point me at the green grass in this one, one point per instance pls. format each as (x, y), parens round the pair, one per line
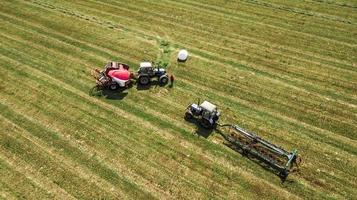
(283, 69)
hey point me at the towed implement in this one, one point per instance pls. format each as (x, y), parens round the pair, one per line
(241, 140)
(252, 145)
(115, 75)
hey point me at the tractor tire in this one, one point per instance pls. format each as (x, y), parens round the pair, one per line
(206, 124)
(283, 175)
(163, 80)
(188, 116)
(114, 86)
(144, 80)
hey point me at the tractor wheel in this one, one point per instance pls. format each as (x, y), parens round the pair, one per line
(283, 175)
(188, 116)
(114, 86)
(163, 80)
(206, 124)
(144, 80)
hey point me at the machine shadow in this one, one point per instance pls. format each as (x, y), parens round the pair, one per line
(200, 131)
(257, 160)
(115, 95)
(118, 94)
(153, 83)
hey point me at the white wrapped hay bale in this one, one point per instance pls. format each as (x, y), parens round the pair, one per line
(182, 55)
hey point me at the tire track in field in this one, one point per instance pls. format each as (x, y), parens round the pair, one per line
(70, 164)
(341, 173)
(28, 171)
(14, 158)
(91, 153)
(296, 123)
(136, 120)
(16, 184)
(342, 4)
(6, 194)
(278, 81)
(293, 72)
(70, 42)
(88, 151)
(215, 11)
(51, 8)
(220, 84)
(250, 175)
(253, 40)
(268, 111)
(323, 163)
(249, 3)
(201, 9)
(188, 27)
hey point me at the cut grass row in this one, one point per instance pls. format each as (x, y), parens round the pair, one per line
(214, 162)
(320, 82)
(223, 85)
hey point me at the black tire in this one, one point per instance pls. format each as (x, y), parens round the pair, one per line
(113, 86)
(163, 80)
(206, 124)
(144, 80)
(188, 116)
(283, 175)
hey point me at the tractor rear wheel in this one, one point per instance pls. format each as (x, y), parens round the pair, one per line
(206, 123)
(144, 80)
(163, 80)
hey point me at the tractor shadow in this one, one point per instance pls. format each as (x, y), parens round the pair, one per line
(200, 131)
(153, 83)
(256, 159)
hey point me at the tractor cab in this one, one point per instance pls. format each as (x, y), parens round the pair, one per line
(206, 112)
(146, 68)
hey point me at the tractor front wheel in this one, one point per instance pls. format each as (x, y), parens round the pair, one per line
(163, 80)
(188, 116)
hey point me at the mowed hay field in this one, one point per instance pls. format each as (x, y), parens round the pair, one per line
(283, 69)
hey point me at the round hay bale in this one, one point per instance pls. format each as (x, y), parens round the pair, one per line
(182, 55)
